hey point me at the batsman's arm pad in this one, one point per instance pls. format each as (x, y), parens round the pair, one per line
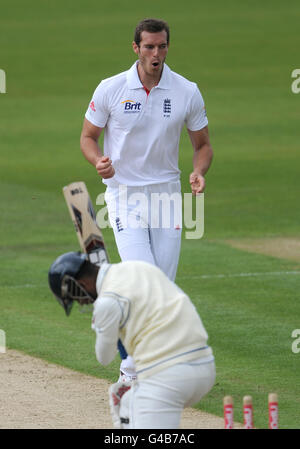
(116, 393)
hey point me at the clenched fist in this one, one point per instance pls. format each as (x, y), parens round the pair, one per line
(104, 167)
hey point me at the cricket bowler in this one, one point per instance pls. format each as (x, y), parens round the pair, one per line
(142, 112)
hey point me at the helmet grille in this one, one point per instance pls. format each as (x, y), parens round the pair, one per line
(71, 289)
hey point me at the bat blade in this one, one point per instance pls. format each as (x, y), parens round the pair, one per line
(84, 218)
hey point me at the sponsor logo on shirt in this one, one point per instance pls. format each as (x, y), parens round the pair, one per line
(167, 107)
(131, 106)
(92, 106)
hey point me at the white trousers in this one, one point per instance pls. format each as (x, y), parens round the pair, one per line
(147, 223)
(157, 401)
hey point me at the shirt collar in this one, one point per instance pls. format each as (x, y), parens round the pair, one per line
(134, 81)
(101, 275)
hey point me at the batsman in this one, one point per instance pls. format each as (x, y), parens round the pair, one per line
(159, 326)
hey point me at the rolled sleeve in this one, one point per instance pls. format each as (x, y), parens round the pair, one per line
(196, 118)
(98, 111)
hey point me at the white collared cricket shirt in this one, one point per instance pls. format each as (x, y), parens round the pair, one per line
(142, 131)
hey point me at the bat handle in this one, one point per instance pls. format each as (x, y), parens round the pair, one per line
(122, 350)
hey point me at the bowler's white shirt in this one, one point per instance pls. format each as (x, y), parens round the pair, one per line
(142, 132)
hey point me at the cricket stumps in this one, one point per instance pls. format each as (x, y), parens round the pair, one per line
(248, 412)
(273, 411)
(228, 412)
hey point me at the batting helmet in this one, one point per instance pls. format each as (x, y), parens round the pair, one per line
(62, 279)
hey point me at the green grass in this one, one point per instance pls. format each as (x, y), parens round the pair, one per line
(249, 320)
(241, 54)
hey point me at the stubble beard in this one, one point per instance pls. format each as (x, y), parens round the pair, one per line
(151, 72)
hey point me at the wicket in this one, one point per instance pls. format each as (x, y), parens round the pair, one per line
(273, 411)
(228, 412)
(248, 412)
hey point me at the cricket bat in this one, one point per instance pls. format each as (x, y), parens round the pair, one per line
(84, 218)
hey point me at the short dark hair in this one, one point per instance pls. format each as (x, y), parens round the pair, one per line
(152, 26)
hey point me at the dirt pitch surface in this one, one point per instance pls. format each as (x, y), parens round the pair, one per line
(281, 247)
(36, 394)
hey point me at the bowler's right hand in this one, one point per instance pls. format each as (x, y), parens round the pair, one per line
(104, 167)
